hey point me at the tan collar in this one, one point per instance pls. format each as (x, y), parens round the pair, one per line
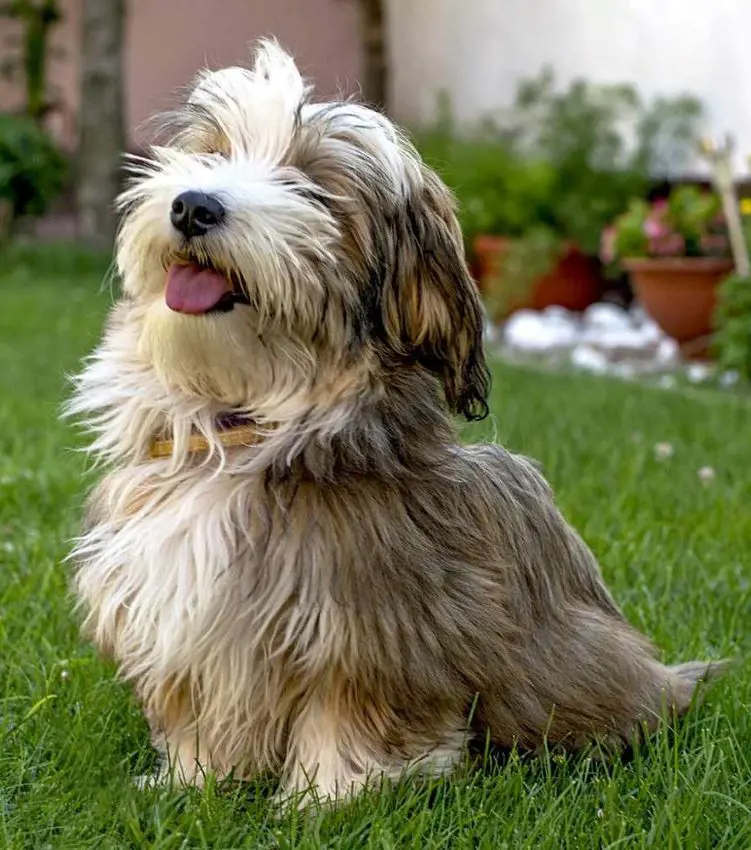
(237, 435)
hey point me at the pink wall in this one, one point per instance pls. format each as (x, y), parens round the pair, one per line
(167, 41)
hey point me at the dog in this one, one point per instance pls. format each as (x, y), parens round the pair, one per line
(290, 556)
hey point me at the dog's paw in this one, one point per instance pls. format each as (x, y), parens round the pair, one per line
(309, 802)
(147, 781)
(164, 777)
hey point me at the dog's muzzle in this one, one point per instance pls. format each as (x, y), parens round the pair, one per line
(195, 286)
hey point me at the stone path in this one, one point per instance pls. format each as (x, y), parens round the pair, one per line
(605, 340)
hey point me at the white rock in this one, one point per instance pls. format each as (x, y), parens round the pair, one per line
(638, 314)
(530, 331)
(561, 336)
(729, 378)
(606, 340)
(556, 311)
(524, 330)
(698, 372)
(646, 324)
(667, 352)
(589, 359)
(562, 322)
(604, 315)
(651, 330)
(559, 315)
(624, 370)
(618, 339)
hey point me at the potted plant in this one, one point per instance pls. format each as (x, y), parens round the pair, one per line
(676, 251)
(537, 185)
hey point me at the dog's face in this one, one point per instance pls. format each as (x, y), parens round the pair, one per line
(272, 240)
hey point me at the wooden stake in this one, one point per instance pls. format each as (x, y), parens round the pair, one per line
(720, 159)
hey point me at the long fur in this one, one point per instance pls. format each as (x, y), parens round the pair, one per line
(356, 594)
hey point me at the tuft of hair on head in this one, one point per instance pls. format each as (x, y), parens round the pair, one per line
(250, 108)
(432, 308)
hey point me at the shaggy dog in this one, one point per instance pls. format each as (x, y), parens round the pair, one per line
(290, 557)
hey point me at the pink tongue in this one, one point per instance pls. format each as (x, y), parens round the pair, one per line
(191, 289)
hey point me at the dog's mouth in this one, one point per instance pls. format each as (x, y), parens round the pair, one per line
(201, 289)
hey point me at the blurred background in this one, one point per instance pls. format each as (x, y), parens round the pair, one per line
(597, 228)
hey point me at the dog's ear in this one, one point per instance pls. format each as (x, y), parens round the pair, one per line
(431, 307)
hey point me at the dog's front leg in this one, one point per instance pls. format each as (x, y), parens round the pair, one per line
(333, 754)
(184, 758)
(325, 761)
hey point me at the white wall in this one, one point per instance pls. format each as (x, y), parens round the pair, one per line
(477, 49)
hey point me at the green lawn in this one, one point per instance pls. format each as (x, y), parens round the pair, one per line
(675, 551)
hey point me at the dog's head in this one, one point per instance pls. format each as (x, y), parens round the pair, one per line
(271, 240)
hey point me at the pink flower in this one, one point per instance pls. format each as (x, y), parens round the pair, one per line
(667, 245)
(654, 227)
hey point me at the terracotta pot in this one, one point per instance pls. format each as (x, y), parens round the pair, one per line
(679, 293)
(574, 282)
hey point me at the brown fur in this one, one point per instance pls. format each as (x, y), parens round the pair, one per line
(332, 602)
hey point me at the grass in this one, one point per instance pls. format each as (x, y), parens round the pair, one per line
(675, 552)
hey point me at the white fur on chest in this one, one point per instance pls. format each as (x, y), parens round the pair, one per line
(200, 584)
(168, 571)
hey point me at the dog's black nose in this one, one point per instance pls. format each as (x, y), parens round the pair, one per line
(195, 213)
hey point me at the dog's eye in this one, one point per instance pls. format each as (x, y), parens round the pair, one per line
(308, 193)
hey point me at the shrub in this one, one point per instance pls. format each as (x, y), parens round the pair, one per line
(32, 169)
(604, 144)
(732, 318)
(498, 191)
(555, 169)
(732, 340)
(568, 160)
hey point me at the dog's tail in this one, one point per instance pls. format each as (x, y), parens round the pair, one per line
(687, 680)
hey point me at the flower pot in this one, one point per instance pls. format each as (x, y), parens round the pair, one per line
(574, 282)
(679, 293)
